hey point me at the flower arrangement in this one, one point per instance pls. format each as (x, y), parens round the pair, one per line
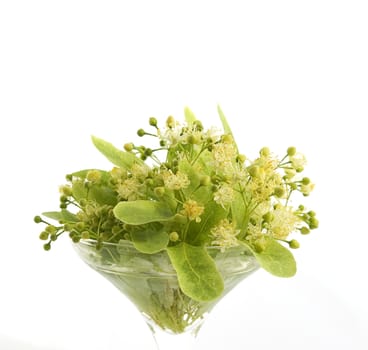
(193, 191)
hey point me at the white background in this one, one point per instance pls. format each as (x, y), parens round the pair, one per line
(285, 73)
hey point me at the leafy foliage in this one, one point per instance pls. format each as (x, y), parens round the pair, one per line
(195, 190)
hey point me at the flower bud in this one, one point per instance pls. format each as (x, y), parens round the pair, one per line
(141, 132)
(159, 191)
(294, 244)
(268, 217)
(153, 121)
(291, 151)
(85, 235)
(241, 158)
(129, 147)
(37, 219)
(264, 152)
(93, 176)
(313, 223)
(253, 170)
(44, 235)
(279, 192)
(170, 122)
(259, 246)
(227, 138)
(205, 180)
(304, 230)
(174, 236)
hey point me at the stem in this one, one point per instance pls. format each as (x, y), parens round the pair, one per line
(168, 341)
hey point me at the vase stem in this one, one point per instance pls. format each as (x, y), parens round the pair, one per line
(168, 341)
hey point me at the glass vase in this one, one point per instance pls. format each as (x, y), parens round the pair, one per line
(151, 284)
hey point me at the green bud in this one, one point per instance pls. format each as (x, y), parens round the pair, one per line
(47, 246)
(148, 152)
(193, 140)
(205, 180)
(44, 235)
(227, 138)
(63, 205)
(63, 199)
(253, 170)
(159, 191)
(301, 207)
(294, 244)
(66, 191)
(311, 213)
(304, 230)
(198, 125)
(264, 152)
(80, 226)
(68, 227)
(313, 223)
(53, 237)
(174, 236)
(129, 147)
(293, 186)
(85, 235)
(76, 239)
(279, 192)
(259, 246)
(305, 181)
(170, 122)
(143, 157)
(69, 177)
(241, 158)
(37, 219)
(141, 132)
(291, 151)
(162, 143)
(268, 217)
(153, 121)
(50, 229)
(93, 176)
(149, 182)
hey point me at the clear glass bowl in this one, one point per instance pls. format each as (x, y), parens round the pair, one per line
(150, 281)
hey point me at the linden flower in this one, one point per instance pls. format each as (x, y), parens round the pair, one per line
(129, 189)
(307, 189)
(175, 181)
(193, 210)
(298, 161)
(224, 195)
(283, 223)
(224, 155)
(225, 235)
(140, 172)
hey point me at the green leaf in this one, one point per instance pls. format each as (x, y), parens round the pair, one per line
(103, 195)
(189, 116)
(224, 122)
(63, 215)
(239, 213)
(150, 241)
(142, 212)
(82, 174)
(199, 232)
(277, 260)
(118, 157)
(197, 273)
(99, 193)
